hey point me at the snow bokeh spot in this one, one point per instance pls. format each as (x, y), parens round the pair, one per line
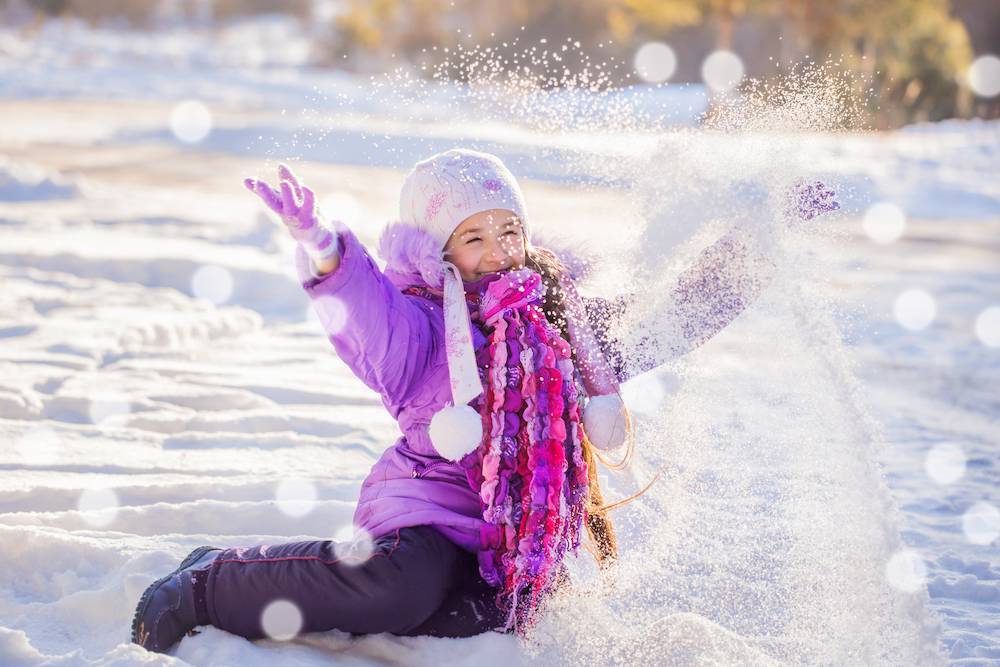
(336, 314)
(984, 76)
(988, 326)
(884, 222)
(191, 121)
(296, 497)
(352, 545)
(39, 445)
(906, 571)
(99, 507)
(981, 523)
(945, 463)
(109, 412)
(281, 620)
(915, 309)
(341, 206)
(213, 283)
(722, 71)
(655, 62)
(644, 395)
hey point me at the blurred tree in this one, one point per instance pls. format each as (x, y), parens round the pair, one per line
(660, 15)
(226, 9)
(910, 52)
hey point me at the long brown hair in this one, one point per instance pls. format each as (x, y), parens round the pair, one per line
(602, 533)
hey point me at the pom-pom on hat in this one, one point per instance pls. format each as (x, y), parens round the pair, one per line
(445, 189)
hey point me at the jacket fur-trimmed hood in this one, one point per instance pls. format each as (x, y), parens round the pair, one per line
(411, 256)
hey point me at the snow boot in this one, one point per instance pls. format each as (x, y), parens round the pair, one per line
(167, 610)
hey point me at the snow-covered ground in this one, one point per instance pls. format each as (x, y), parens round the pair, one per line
(829, 484)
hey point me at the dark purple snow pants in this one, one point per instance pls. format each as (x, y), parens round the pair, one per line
(415, 582)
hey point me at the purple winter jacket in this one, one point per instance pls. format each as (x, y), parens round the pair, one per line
(395, 344)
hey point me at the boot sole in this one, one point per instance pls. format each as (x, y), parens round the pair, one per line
(190, 560)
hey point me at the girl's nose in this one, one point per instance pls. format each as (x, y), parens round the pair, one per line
(497, 251)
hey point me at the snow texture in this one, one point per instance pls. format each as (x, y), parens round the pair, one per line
(144, 413)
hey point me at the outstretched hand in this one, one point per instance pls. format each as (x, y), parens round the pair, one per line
(296, 204)
(808, 200)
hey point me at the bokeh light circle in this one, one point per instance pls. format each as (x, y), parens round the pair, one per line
(945, 463)
(722, 71)
(915, 309)
(191, 121)
(39, 445)
(213, 283)
(984, 76)
(296, 497)
(352, 545)
(341, 206)
(99, 507)
(334, 313)
(644, 395)
(988, 326)
(655, 62)
(981, 523)
(906, 571)
(281, 620)
(109, 412)
(884, 222)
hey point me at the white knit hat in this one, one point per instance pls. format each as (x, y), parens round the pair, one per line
(437, 196)
(444, 190)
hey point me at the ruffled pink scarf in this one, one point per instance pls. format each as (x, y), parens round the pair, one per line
(530, 469)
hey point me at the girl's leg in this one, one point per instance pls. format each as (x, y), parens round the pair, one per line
(396, 589)
(470, 608)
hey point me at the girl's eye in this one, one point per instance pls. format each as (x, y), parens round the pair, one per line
(473, 240)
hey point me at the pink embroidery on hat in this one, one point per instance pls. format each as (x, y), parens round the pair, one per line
(434, 206)
(493, 185)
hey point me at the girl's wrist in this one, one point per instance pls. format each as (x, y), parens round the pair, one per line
(327, 265)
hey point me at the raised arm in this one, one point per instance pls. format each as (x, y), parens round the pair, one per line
(388, 340)
(639, 335)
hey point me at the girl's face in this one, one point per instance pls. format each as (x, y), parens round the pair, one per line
(486, 243)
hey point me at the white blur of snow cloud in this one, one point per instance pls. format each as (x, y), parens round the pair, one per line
(109, 412)
(281, 620)
(341, 206)
(981, 523)
(190, 121)
(99, 507)
(296, 497)
(655, 62)
(884, 222)
(213, 283)
(915, 309)
(984, 76)
(906, 571)
(352, 545)
(643, 395)
(722, 71)
(988, 326)
(945, 463)
(39, 445)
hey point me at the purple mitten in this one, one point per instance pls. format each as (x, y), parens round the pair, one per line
(807, 200)
(296, 204)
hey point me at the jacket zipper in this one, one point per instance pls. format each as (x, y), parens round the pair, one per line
(420, 470)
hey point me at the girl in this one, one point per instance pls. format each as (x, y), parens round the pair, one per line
(504, 382)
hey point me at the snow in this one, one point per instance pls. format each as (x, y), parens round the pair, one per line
(144, 413)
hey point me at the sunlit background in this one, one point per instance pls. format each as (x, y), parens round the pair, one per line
(829, 463)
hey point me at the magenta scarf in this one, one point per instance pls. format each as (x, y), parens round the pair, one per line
(530, 470)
